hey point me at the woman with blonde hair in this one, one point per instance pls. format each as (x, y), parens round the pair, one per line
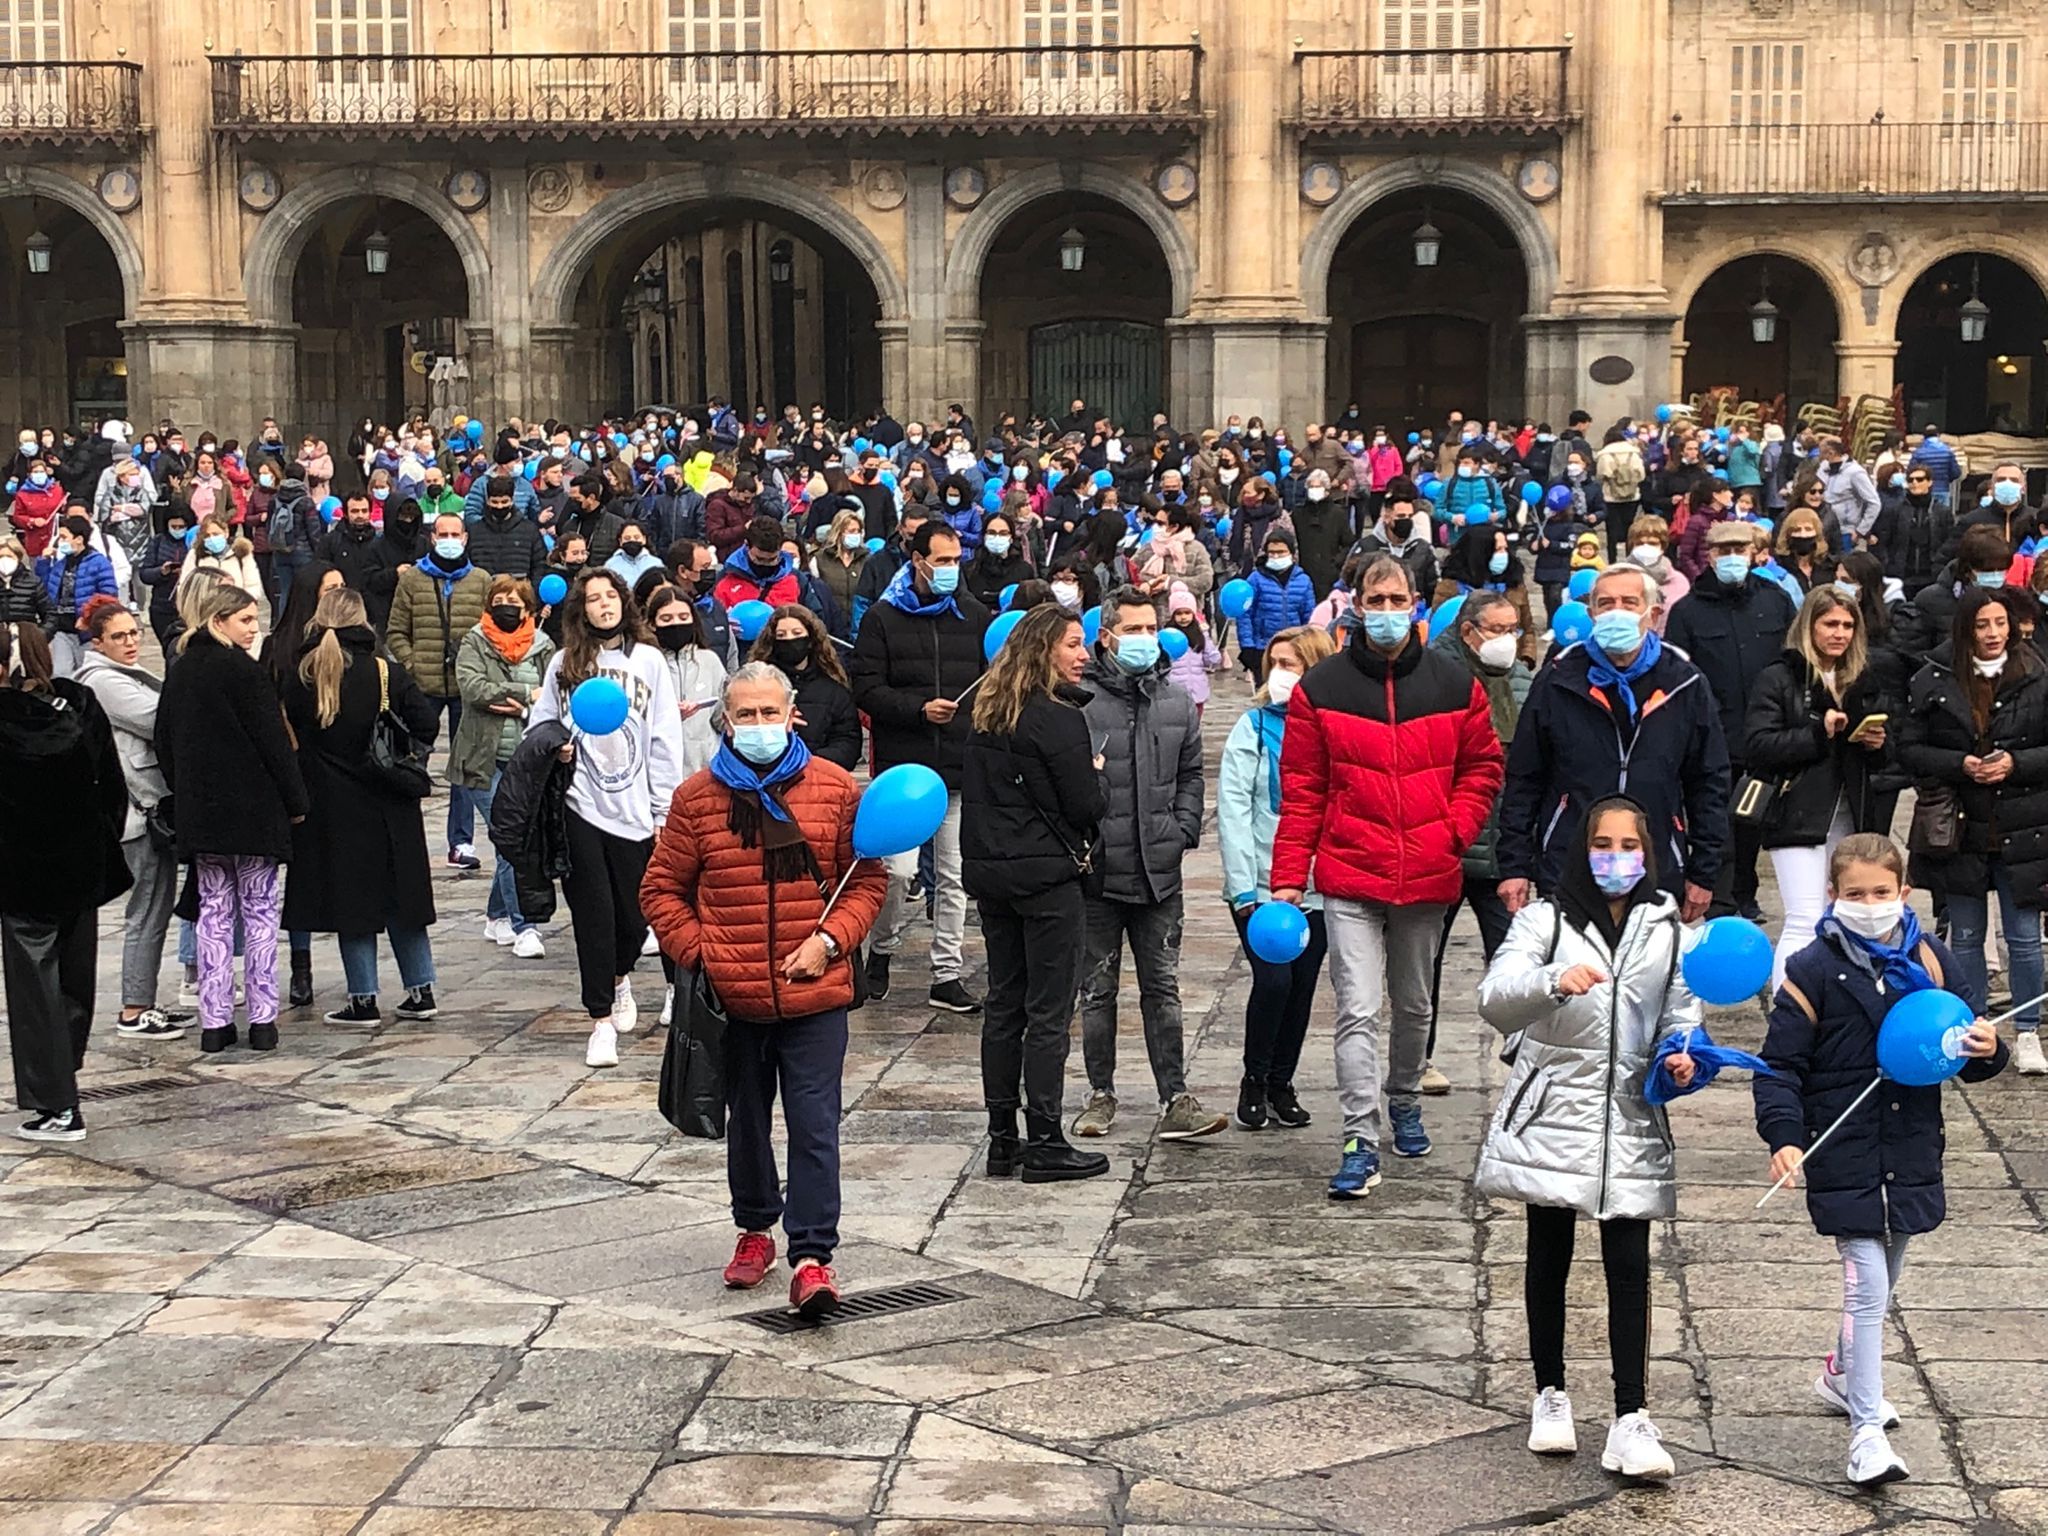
(218, 547)
(1031, 795)
(840, 556)
(1247, 817)
(1802, 548)
(359, 856)
(1813, 739)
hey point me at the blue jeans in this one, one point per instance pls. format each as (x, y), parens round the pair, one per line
(504, 898)
(461, 802)
(1968, 927)
(409, 945)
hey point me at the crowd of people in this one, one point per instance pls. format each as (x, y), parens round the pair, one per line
(1775, 642)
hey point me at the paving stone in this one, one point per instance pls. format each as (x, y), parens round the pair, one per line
(1717, 1502)
(151, 1388)
(1818, 1449)
(797, 1485)
(432, 1322)
(70, 1314)
(283, 1474)
(2024, 1510)
(486, 1522)
(993, 1490)
(476, 1244)
(471, 1201)
(70, 1469)
(528, 1479)
(366, 1394)
(1348, 1332)
(937, 1372)
(1198, 1283)
(129, 1272)
(604, 1399)
(65, 1518)
(798, 1426)
(2002, 1450)
(1991, 1333)
(718, 1525)
(245, 1317)
(294, 1279)
(235, 1520)
(939, 1438)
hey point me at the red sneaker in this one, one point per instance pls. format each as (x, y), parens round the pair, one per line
(751, 1261)
(814, 1290)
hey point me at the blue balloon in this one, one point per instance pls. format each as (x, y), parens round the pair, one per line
(1145, 535)
(1102, 480)
(887, 476)
(1430, 487)
(475, 433)
(1446, 615)
(1008, 592)
(874, 546)
(330, 508)
(1091, 624)
(861, 445)
(998, 631)
(1582, 583)
(750, 618)
(1414, 438)
(992, 496)
(1270, 478)
(1570, 624)
(666, 461)
(1729, 962)
(1766, 524)
(1277, 933)
(1558, 498)
(1223, 527)
(1173, 643)
(1663, 414)
(1920, 1042)
(1720, 434)
(1720, 474)
(553, 588)
(900, 811)
(599, 706)
(1235, 599)
(530, 468)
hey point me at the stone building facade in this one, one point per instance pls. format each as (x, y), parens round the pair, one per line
(1196, 206)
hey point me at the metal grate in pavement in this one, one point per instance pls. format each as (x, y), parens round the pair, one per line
(135, 1089)
(858, 1309)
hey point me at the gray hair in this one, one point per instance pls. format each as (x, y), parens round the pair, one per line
(1379, 568)
(758, 672)
(1653, 594)
(1319, 477)
(1480, 603)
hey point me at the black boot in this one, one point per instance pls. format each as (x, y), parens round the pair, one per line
(301, 994)
(1005, 1149)
(1048, 1159)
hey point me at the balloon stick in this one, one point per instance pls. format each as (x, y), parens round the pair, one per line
(969, 689)
(2022, 1008)
(1824, 1135)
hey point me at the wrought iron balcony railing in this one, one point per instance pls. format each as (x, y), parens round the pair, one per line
(1431, 90)
(858, 91)
(65, 102)
(1840, 162)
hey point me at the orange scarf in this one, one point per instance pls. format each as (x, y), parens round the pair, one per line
(512, 647)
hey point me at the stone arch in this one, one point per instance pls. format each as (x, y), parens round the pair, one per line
(273, 255)
(1833, 281)
(554, 288)
(35, 181)
(1986, 242)
(1489, 188)
(981, 229)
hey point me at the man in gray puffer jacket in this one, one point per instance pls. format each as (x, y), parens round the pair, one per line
(1148, 744)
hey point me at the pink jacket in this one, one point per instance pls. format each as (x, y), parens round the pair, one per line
(1383, 463)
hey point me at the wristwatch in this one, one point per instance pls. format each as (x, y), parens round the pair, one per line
(832, 950)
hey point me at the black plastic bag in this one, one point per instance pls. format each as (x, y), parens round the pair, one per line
(693, 1064)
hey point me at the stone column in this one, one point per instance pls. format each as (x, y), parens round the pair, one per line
(500, 387)
(962, 381)
(226, 375)
(924, 256)
(551, 372)
(895, 339)
(186, 260)
(1866, 367)
(1679, 347)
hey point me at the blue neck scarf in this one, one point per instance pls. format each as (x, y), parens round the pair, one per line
(743, 778)
(1894, 962)
(902, 593)
(1603, 673)
(1271, 720)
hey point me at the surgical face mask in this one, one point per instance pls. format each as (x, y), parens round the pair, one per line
(1226, 475)
(1896, 482)
(1497, 652)
(1379, 440)
(1618, 632)
(1467, 470)
(1137, 653)
(1731, 570)
(1387, 630)
(1497, 563)
(997, 544)
(39, 477)
(1576, 471)
(559, 451)
(952, 501)
(945, 579)
(1646, 554)
(850, 540)
(380, 494)
(1317, 493)
(1279, 563)
(2006, 492)
(1020, 472)
(1281, 683)
(216, 544)
(1848, 589)
(448, 551)
(266, 481)
(8, 566)
(1869, 919)
(1990, 578)
(760, 744)
(1616, 873)
(1067, 595)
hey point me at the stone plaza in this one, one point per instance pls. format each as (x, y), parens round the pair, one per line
(441, 1279)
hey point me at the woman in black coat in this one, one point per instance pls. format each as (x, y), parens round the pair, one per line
(1809, 733)
(1976, 735)
(359, 860)
(1002, 561)
(1030, 799)
(796, 640)
(221, 742)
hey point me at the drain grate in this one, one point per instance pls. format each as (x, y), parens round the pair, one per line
(135, 1089)
(858, 1309)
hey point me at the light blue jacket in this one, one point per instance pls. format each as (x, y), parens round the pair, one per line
(1245, 819)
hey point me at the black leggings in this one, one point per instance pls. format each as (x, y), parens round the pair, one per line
(603, 888)
(1625, 1254)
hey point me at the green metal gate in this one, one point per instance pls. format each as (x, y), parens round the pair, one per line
(1114, 365)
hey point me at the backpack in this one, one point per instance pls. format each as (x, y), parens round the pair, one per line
(284, 524)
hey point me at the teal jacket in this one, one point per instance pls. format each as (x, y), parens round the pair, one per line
(1245, 819)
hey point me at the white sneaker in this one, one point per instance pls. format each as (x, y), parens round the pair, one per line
(603, 1050)
(2027, 1055)
(498, 930)
(625, 1012)
(1832, 1387)
(1635, 1448)
(1872, 1461)
(1551, 1432)
(650, 945)
(668, 1005)
(528, 945)
(188, 995)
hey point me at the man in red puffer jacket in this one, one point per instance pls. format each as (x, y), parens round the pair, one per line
(1389, 771)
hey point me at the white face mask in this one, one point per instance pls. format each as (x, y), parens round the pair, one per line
(1281, 683)
(1317, 493)
(1280, 562)
(8, 566)
(1066, 594)
(1646, 554)
(1497, 652)
(1869, 919)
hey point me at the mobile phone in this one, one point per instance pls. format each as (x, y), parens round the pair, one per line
(1867, 721)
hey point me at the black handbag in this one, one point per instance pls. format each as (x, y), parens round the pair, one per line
(1937, 825)
(1757, 802)
(160, 823)
(397, 766)
(692, 1095)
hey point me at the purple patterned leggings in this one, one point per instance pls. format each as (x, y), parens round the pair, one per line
(231, 888)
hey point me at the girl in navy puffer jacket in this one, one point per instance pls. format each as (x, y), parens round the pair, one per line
(1282, 597)
(1877, 1181)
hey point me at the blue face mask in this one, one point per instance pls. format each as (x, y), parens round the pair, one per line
(448, 551)
(760, 744)
(997, 544)
(1731, 570)
(1498, 563)
(216, 545)
(1137, 653)
(945, 579)
(1618, 632)
(1991, 578)
(380, 494)
(1617, 873)
(2006, 492)
(1387, 630)
(1848, 589)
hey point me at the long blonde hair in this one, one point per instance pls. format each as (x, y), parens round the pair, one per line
(1023, 669)
(1311, 643)
(1820, 602)
(207, 595)
(325, 661)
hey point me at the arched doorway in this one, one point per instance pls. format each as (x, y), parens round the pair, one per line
(379, 294)
(1998, 383)
(1794, 366)
(1075, 294)
(1426, 294)
(61, 306)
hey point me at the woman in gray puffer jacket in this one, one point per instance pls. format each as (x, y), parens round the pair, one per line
(1589, 978)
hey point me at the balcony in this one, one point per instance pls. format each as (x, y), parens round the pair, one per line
(1842, 162)
(1396, 91)
(859, 92)
(76, 105)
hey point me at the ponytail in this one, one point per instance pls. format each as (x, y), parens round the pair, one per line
(321, 671)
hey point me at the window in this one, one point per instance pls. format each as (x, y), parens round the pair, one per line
(1980, 82)
(1422, 77)
(370, 39)
(1064, 34)
(1432, 24)
(31, 31)
(1767, 87)
(717, 31)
